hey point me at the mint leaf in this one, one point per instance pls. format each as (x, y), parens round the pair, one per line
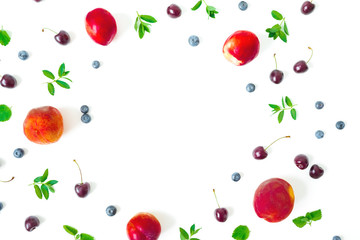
(141, 31)
(308, 219)
(51, 88)
(293, 113)
(242, 232)
(183, 234)
(63, 84)
(4, 37)
(275, 28)
(281, 116)
(282, 36)
(137, 23)
(45, 191)
(61, 70)
(197, 5)
(5, 113)
(84, 236)
(48, 74)
(276, 15)
(52, 182)
(282, 101)
(192, 229)
(50, 188)
(286, 29)
(70, 230)
(45, 175)
(38, 179)
(275, 107)
(300, 221)
(148, 18)
(38, 191)
(316, 215)
(196, 231)
(146, 27)
(66, 73)
(288, 101)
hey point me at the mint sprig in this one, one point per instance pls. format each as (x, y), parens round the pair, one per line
(281, 110)
(79, 236)
(186, 236)
(4, 37)
(242, 232)
(142, 24)
(5, 113)
(62, 73)
(308, 218)
(278, 30)
(210, 10)
(41, 187)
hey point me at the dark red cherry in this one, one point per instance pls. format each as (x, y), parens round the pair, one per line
(276, 76)
(221, 214)
(316, 171)
(301, 161)
(61, 37)
(260, 153)
(31, 223)
(8, 81)
(307, 7)
(173, 11)
(301, 66)
(82, 189)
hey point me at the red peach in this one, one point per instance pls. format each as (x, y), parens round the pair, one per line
(43, 125)
(143, 226)
(241, 47)
(274, 200)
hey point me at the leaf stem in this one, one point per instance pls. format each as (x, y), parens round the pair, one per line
(276, 141)
(8, 180)
(80, 171)
(311, 54)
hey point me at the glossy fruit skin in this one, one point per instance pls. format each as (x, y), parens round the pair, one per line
(319, 134)
(301, 161)
(241, 47)
(100, 26)
(250, 87)
(43, 125)
(19, 153)
(194, 40)
(276, 76)
(340, 125)
(8, 81)
(307, 7)
(235, 176)
(143, 226)
(111, 211)
(85, 118)
(23, 55)
(319, 105)
(243, 5)
(316, 171)
(82, 189)
(84, 109)
(95, 64)
(31, 223)
(221, 214)
(174, 11)
(62, 37)
(274, 200)
(301, 67)
(259, 153)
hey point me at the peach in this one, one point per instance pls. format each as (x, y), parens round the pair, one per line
(43, 125)
(143, 226)
(274, 200)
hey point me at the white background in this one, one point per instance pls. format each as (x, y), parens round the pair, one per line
(170, 122)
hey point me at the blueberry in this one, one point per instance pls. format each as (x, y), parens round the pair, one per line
(85, 118)
(19, 153)
(250, 87)
(194, 40)
(84, 109)
(23, 55)
(319, 105)
(336, 238)
(235, 176)
(111, 211)
(1, 206)
(96, 64)
(319, 134)
(243, 5)
(340, 125)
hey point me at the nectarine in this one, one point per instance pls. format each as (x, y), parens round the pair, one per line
(43, 125)
(274, 200)
(143, 226)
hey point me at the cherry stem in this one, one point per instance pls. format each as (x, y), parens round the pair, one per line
(276, 141)
(8, 180)
(80, 171)
(311, 54)
(49, 30)
(275, 61)
(216, 198)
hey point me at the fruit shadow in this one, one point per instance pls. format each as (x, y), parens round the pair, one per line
(123, 22)
(92, 187)
(1, 162)
(70, 122)
(166, 220)
(265, 42)
(299, 187)
(41, 219)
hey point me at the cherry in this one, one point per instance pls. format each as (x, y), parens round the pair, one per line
(173, 11)
(301, 161)
(8, 180)
(307, 7)
(221, 214)
(260, 153)
(61, 37)
(316, 171)
(31, 223)
(82, 189)
(8, 81)
(276, 76)
(301, 66)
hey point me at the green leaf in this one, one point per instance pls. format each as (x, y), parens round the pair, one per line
(276, 15)
(148, 18)
(268, 30)
(38, 191)
(45, 175)
(50, 188)
(282, 36)
(63, 84)
(51, 88)
(48, 74)
(288, 101)
(5, 113)
(45, 191)
(141, 31)
(271, 35)
(66, 73)
(84, 236)
(51, 182)
(300, 221)
(192, 229)
(137, 23)
(146, 27)
(286, 29)
(67, 79)
(275, 107)
(77, 236)
(196, 231)
(281, 116)
(293, 113)
(197, 5)
(316, 215)
(70, 230)
(61, 70)
(4, 37)
(242, 232)
(282, 101)
(275, 28)
(276, 35)
(38, 179)
(183, 234)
